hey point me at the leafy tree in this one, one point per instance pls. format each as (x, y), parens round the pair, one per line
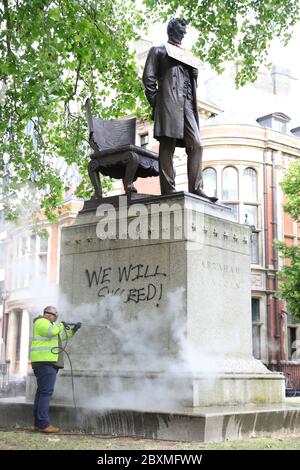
(56, 53)
(53, 55)
(291, 188)
(289, 274)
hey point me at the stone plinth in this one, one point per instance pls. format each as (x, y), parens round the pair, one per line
(205, 424)
(166, 316)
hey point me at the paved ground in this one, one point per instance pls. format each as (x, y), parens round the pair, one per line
(28, 440)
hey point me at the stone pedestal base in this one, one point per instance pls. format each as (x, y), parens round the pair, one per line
(152, 391)
(233, 389)
(206, 424)
(165, 308)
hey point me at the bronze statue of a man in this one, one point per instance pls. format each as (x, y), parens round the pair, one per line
(170, 87)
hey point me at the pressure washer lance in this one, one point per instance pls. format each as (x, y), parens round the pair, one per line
(90, 325)
(58, 349)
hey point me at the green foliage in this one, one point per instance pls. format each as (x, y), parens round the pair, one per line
(289, 274)
(234, 30)
(291, 188)
(53, 55)
(56, 53)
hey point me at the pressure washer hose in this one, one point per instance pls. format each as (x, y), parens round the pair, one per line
(58, 349)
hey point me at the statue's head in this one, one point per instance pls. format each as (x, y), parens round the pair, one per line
(176, 30)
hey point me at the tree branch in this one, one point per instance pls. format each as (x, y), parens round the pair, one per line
(8, 26)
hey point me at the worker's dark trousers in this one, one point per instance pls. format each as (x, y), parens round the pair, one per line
(194, 152)
(46, 377)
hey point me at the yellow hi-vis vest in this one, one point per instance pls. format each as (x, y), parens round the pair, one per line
(45, 338)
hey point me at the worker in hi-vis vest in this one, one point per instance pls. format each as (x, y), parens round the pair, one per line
(46, 355)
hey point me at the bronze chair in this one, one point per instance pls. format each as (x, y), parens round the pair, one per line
(115, 153)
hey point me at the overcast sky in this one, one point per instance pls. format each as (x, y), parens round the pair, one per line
(288, 55)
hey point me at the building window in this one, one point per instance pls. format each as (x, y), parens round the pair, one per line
(256, 341)
(292, 342)
(42, 268)
(250, 184)
(254, 247)
(256, 324)
(251, 215)
(43, 244)
(144, 140)
(42, 265)
(235, 211)
(229, 184)
(210, 181)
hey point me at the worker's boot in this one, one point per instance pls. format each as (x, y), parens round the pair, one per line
(50, 429)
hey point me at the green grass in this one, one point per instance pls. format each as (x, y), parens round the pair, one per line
(28, 440)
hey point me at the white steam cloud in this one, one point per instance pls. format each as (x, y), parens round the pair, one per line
(126, 360)
(133, 361)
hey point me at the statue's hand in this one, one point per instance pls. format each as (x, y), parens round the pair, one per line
(195, 73)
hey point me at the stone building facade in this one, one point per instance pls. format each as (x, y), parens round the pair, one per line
(31, 277)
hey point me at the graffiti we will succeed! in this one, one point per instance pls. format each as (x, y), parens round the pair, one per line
(125, 281)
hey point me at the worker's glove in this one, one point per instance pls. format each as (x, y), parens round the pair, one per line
(76, 327)
(66, 326)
